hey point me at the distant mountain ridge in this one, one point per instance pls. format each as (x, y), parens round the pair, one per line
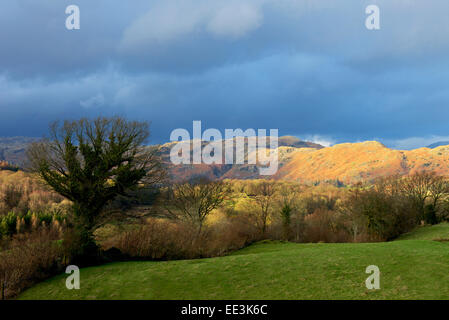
(291, 141)
(13, 149)
(287, 146)
(438, 144)
(299, 160)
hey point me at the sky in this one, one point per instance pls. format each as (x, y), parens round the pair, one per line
(309, 68)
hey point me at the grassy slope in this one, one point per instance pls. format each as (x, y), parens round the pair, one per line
(409, 269)
(436, 232)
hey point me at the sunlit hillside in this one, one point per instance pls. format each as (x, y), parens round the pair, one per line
(353, 162)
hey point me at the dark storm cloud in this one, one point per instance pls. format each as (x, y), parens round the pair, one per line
(309, 68)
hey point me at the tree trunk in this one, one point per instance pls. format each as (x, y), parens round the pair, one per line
(84, 251)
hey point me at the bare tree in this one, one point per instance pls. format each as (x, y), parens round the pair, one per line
(194, 201)
(416, 187)
(439, 189)
(422, 186)
(263, 197)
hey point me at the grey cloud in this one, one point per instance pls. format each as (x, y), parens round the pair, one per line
(309, 68)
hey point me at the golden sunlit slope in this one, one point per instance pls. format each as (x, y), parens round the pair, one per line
(287, 146)
(353, 162)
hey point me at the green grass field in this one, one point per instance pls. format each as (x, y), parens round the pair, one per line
(436, 232)
(410, 269)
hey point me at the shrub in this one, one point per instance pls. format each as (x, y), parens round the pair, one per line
(27, 259)
(163, 239)
(430, 214)
(382, 211)
(12, 194)
(325, 226)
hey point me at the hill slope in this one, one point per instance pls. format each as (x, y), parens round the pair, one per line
(13, 149)
(411, 269)
(439, 232)
(346, 162)
(287, 146)
(353, 162)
